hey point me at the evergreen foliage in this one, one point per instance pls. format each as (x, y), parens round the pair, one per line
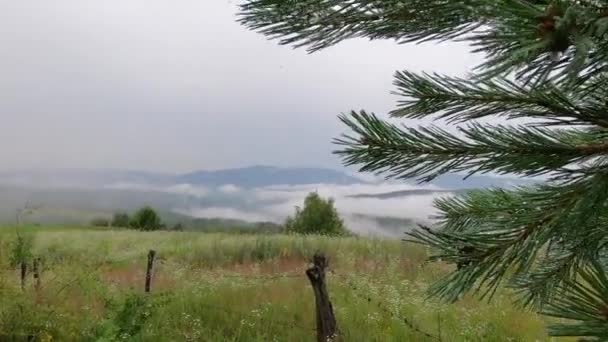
(545, 76)
(319, 216)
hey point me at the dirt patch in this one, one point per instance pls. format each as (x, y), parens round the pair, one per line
(134, 276)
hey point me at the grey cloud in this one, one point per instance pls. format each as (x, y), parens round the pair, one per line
(176, 86)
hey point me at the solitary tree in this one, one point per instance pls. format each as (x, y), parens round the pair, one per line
(544, 75)
(146, 219)
(319, 216)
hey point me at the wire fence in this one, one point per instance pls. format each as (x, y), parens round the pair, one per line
(262, 277)
(245, 314)
(346, 280)
(366, 297)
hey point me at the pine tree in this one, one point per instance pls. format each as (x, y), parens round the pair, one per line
(544, 75)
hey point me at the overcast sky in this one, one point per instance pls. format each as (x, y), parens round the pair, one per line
(166, 85)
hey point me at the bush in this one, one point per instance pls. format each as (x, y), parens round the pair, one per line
(121, 220)
(21, 249)
(319, 216)
(146, 219)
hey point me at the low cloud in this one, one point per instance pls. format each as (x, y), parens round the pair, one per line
(187, 189)
(275, 203)
(229, 189)
(178, 189)
(417, 207)
(334, 191)
(230, 213)
(368, 227)
(414, 207)
(280, 201)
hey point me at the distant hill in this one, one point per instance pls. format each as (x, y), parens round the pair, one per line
(261, 176)
(247, 177)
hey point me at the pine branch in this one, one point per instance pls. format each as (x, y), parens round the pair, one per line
(428, 152)
(538, 39)
(546, 60)
(319, 24)
(504, 231)
(542, 41)
(584, 304)
(573, 204)
(550, 275)
(459, 100)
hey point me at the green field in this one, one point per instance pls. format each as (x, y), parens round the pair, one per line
(222, 287)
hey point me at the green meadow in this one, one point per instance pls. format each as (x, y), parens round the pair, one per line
(225, 287)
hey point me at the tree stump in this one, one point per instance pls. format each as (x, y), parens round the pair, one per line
(326, 321)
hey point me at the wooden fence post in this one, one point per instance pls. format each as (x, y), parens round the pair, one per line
(23, 274)
(36, 271)
(326, 321)
(151, 256)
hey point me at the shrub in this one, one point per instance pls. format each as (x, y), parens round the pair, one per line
(131, 316)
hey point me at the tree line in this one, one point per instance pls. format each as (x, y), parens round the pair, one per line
(144, 219)
(318, 216)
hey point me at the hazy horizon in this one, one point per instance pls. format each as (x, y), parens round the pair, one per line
(167, 88)
(79, 205)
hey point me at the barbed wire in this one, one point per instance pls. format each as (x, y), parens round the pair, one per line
(242, 314)
(74, 280)
(347, 279)
(239, 313)
(262, 277)
(407, 321)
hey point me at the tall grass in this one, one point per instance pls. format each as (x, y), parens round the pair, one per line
(221, 287)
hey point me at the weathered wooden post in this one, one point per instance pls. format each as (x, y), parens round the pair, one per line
(36, 271)
(326, 321)
(151, 256)
(23, 274)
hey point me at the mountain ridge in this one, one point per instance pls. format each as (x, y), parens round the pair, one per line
(261, 176)
(245, 177)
